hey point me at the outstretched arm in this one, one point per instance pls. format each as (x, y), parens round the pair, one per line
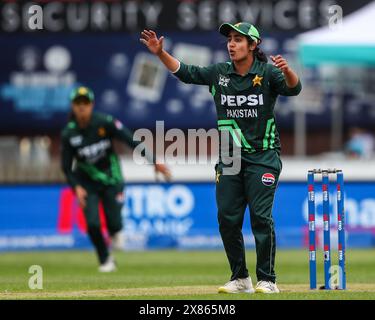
(186, 73)
(155, 45)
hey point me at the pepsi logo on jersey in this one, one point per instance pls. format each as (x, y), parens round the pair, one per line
(268, 179)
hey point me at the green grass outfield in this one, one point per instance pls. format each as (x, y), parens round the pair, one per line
(171, 275)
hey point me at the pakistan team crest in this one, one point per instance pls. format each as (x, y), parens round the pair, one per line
(257, 81)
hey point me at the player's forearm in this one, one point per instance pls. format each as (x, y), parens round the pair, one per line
(66, 167)
(170, 62)
(291, 78)
(70, 177)
(72, 180)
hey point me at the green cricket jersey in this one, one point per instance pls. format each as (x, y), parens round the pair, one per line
(92, 148)
(244, 104)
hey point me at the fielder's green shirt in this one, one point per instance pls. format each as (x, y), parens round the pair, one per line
(92, 148)
(244, 104)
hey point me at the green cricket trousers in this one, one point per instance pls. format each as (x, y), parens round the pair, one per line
(254, 186)
(112, 199)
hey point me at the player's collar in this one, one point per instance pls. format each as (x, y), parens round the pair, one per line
(255, 68)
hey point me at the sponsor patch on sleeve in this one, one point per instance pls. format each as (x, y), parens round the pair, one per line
(118, 124)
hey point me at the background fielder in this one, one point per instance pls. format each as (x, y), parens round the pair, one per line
(88, 139)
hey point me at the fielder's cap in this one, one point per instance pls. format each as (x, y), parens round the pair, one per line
(82, 92)
(244, 28)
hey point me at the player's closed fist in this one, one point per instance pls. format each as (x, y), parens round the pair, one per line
(152, 42)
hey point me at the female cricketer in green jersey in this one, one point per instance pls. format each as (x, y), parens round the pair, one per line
(88, 139)
(245, 90)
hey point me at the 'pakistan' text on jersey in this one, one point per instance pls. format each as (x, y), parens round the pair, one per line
(244, 104)
(92, 148)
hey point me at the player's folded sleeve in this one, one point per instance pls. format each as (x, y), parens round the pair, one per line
(279, 86)
(195, 74)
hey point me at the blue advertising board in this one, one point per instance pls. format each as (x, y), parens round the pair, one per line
(182, 216)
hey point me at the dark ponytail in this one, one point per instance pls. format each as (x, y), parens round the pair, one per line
(260, 55)
(257, 53)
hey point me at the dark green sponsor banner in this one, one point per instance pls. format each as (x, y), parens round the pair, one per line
(130, 16)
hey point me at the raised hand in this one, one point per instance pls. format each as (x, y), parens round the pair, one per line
(281, 63)
(151, 41)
